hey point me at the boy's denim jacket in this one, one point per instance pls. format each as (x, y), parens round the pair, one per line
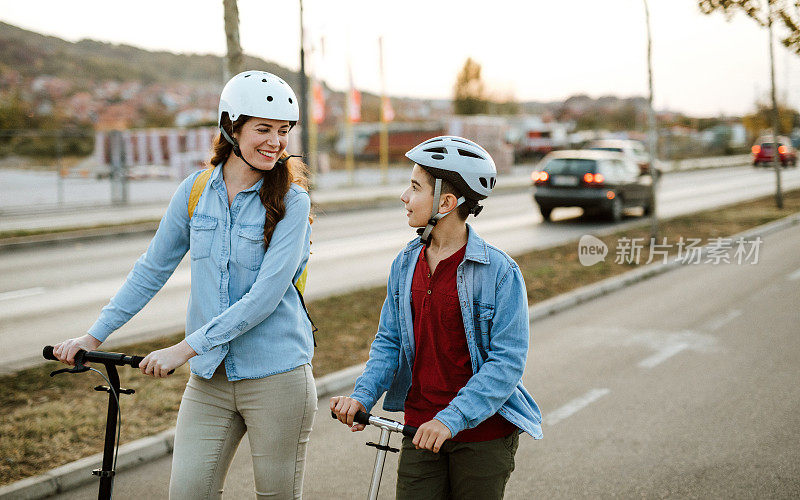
(494, 307)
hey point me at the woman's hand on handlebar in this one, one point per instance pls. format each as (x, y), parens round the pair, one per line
(345, 409)
(65, 351)
(159, 363)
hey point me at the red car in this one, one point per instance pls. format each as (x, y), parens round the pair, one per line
(764, 146)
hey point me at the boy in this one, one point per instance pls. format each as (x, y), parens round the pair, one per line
(453, 337)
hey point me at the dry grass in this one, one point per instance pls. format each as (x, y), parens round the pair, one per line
(47, 422)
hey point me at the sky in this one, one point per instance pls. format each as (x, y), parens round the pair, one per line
(529, 50)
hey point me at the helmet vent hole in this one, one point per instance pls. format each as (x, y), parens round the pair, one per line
(437, 157)
(470, 154)
(436, 150)
(459, 140)
(493, 182)
(483, 182)
(247, 76)
(290, 100)
(269, 98)
(264, 80)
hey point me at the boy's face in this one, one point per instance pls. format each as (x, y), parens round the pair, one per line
(418, 197)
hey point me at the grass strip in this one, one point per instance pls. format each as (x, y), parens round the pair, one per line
(46, 422)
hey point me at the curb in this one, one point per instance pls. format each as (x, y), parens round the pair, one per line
(74, 474)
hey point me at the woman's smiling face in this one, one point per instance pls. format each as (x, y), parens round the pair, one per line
(262, 141)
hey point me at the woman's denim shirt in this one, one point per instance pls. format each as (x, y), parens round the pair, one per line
(494, 306)
(243, 308)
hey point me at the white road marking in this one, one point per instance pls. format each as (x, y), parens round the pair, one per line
(16, 294)
(574, 406)
(662, 355)
(794, 276)
(722, 320)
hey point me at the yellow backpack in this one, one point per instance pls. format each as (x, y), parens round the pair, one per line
(198, 187)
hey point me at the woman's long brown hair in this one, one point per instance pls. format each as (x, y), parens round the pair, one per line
(276, 181)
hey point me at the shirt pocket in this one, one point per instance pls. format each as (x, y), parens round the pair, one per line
(250, 247)
(483, 324)
(201, 236)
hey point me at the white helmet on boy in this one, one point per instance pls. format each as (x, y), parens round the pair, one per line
(259, 94)
(463, 163)
(460, 161)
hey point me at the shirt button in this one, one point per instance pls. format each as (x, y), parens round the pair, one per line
(429, 275)
(429, 292)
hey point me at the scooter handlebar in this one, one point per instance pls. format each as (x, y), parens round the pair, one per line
(113, 358)
(365, 418)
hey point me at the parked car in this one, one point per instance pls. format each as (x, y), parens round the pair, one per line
(762, 151)
(634, 150)
(595, 180)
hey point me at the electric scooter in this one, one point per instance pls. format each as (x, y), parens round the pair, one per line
(111, 360)
(387, 427)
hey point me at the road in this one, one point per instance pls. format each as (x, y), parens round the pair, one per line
(50, 294)
(684, 385)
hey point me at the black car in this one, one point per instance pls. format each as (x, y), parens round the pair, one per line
(597, 181)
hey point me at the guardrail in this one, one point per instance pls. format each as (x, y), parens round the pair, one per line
(701, 163)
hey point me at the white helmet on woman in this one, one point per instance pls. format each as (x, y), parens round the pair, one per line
(259, 94)
(463, 163)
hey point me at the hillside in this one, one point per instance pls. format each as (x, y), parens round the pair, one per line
(32, 54)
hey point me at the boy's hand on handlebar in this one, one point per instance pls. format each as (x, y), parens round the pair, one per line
(65, 351)
(431, 436)
(159, 363)
(345, 409)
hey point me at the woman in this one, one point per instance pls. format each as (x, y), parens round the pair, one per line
(249, 337)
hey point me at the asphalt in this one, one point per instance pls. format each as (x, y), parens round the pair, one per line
(638, 400)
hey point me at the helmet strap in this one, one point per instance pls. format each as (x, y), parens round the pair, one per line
(425, 233)
(238, 152)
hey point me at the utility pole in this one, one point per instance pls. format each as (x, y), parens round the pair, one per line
(775, 131)
(234, 58)
(384, 143)
(304, 115)
(651, 133)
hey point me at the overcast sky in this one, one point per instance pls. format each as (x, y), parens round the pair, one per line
(533, 50)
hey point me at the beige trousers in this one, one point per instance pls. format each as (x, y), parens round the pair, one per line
(276, 412)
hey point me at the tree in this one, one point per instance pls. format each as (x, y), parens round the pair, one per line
(761, 120)
(235, 61)
(789, 14)
(470, 98)
(786, 11)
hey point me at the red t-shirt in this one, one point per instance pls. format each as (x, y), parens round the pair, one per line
(442, 365)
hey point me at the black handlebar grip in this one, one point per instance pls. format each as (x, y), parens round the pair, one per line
(135, 360)
(47, 352)
(362, 417)
(409, 431)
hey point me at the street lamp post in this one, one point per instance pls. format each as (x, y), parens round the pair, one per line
(651, 132)
(775, 144)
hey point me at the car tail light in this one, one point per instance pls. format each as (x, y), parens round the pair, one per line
(782, 150)
(539, 177)
(593, 179)
(611, 195)
(756, 149)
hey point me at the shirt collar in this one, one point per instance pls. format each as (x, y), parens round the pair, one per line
(477, 250)
(217, 180)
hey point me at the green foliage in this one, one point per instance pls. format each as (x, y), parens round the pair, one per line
(785, 13)
(469, 95)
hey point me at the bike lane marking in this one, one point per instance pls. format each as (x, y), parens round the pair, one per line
(27, 292)
(574, 406)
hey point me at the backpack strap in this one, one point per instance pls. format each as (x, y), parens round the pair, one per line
(198, 187)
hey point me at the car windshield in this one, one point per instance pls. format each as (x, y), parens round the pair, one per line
(570, 166)
(600, 148)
